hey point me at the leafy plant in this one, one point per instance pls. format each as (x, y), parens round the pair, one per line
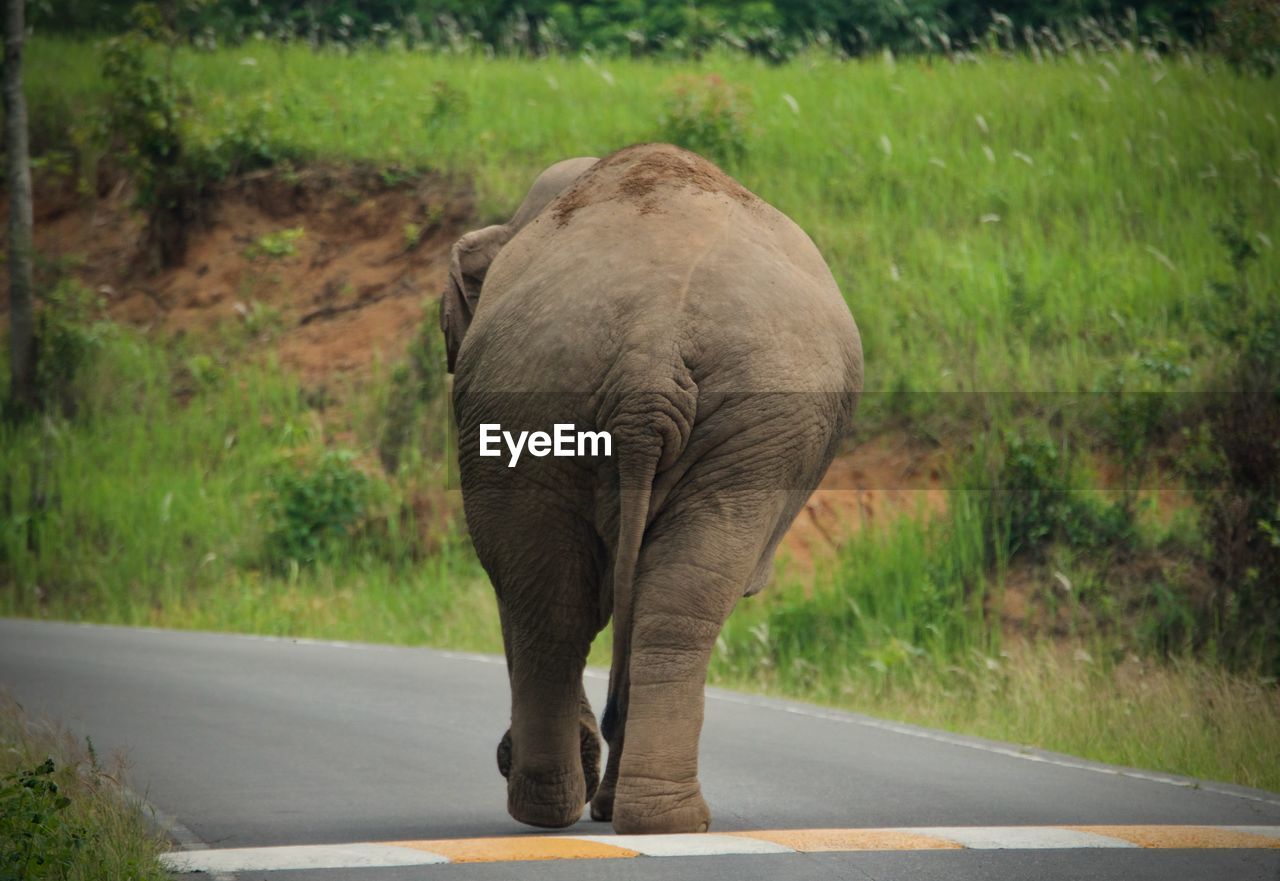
(282, 243)
(150, 115)
(1137, 406)
(412, 233)
(145, 112)
(312, 511)
(261, 320)
(706, 114)
(36, 838)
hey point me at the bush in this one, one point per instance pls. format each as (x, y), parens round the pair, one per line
(706, 115)
(149, 114)
(35, 839)
(312, 512)
(417, 388)
(1249, 34)
(69, 334)
(1034, 497)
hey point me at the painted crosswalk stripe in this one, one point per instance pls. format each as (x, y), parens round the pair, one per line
(779, 841)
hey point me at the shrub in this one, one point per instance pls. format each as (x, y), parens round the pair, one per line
(36, 841)
(274, 245)
(1248, 34)
(69, 334)
(313, 511)
(150, 115)
(1034, 496)
(62, 814)
(417, 387)
(706, 115)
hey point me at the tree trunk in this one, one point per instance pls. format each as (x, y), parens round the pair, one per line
(22, 352)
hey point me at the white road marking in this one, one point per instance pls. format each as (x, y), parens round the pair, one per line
(1264, 831)
(1020, 837)
(314, 856)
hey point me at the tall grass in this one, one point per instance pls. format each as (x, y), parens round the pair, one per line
(1183, 717)
(887, 604)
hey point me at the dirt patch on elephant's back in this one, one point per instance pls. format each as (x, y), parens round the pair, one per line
(645, 169)
(878, 482)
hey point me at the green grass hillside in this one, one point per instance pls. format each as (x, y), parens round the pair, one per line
(996, 226)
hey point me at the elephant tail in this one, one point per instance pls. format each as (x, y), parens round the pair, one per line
(635, 489)
(652, 432)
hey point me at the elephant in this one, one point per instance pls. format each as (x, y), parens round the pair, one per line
(649, 297)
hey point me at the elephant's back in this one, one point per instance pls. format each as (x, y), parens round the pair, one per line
(655, 253)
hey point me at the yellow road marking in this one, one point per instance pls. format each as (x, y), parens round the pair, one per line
(497, 850)
(1197, 837)
(829, 840)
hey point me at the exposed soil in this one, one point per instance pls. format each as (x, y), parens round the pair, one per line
(332, 266)
(879, 481)
(351, 287)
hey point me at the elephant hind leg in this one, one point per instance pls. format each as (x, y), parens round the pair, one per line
(699, 556)
(549, 608)
(551, 753)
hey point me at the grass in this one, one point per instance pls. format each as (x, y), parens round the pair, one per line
(62, 814)
(907, 624)
(1001, 226)
(148, 509)
(1184, 717)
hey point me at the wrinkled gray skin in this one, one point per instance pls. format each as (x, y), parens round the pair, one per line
(649, 295)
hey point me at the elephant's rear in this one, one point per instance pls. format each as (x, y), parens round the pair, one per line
(658, 300)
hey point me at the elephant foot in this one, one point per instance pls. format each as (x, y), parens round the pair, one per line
(549, 800)
(589, 747)
(602, 804)
(660, 813)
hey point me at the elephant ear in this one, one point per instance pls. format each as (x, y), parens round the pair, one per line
(468, 265)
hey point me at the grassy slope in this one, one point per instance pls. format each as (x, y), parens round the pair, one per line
(1106, 177)
(1103, 246)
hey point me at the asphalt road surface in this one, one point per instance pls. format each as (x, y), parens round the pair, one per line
(244, 742)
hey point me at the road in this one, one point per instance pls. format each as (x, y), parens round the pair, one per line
(247, 742)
